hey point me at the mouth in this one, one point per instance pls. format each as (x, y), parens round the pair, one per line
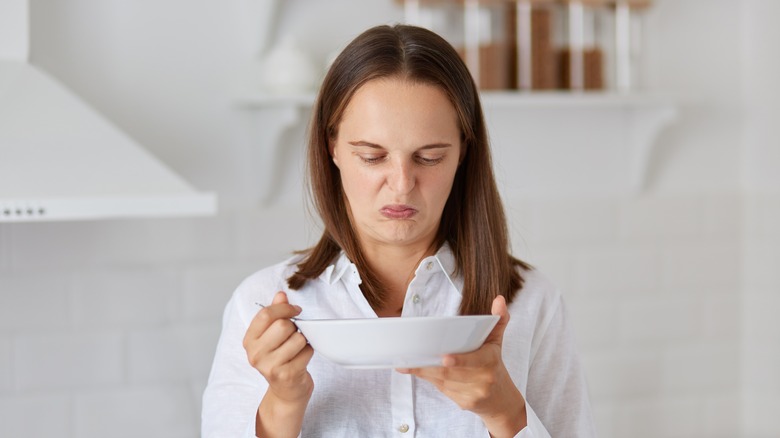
(398, 211)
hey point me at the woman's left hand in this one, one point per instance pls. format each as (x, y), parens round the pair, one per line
(479, 382)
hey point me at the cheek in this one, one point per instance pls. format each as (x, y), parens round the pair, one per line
(443, 195)
(443, 185)
(359, 184)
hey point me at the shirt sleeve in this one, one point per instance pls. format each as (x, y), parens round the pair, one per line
(234, 388)
(534, 427)
(557, 389)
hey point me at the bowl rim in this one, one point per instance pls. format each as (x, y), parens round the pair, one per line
(393, 319)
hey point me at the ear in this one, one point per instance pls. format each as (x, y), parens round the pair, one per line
(333, 156)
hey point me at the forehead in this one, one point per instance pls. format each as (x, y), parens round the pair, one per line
(400, 104)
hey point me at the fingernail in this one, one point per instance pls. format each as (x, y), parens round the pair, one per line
(297, 308)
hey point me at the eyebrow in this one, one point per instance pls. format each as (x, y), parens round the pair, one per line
(378, 146)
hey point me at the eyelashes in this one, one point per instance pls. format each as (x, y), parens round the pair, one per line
(430, 161)
(371, 159)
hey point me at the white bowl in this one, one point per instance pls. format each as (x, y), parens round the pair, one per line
(404, 342)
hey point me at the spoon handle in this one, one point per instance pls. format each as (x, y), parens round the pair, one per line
(262, 306)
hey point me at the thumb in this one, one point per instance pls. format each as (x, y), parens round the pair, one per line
(280, 298)
(496, 336)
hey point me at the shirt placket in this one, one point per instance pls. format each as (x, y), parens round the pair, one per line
(402, 392)
(402, 400)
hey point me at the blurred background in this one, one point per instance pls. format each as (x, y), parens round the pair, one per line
(654, 207)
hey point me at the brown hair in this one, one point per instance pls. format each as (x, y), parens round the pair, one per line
(473, 221)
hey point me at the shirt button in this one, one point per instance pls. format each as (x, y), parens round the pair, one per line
(403, 428)
(429, 266)
(416, 299)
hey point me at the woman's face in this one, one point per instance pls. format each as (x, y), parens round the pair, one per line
(397, 148)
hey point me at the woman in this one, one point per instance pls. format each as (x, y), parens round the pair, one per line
(400, 172)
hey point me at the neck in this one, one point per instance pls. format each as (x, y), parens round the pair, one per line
(395, 266)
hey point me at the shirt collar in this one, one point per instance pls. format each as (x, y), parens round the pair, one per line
(337, 270)
(446, 259)
(443, 261)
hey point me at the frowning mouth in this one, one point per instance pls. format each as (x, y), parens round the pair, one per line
(398, 211)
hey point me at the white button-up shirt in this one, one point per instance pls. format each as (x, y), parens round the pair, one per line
(538, 351)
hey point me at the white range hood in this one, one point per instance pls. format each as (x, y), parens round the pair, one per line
(62, 160)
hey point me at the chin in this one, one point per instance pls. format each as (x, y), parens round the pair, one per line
(402, 235)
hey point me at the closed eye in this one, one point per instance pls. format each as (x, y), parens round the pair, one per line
(430, 161)
(371, 159)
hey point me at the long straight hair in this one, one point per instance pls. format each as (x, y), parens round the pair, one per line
(473, 221)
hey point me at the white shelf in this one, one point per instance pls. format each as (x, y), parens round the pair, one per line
(544, 143)
(516, 99)
(260, 100)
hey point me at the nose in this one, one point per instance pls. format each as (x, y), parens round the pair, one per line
(402, 178)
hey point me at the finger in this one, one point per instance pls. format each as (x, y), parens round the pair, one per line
(482, 357)
(276, 347)
(280, 298)
(462, 388)
(290, 348)
(277, 334)
(451, 375)
(303, 358)
(281, 375)
(267, 315)
(300, 361)
(428, 374)
(499, 308)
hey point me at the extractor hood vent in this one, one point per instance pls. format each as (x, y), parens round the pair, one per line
(62, 160)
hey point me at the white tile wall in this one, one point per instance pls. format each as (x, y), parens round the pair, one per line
(616, 271)
(207, 288)
(57, 361)
(722, 215)
(180, 354)
(652, 218)
(702, 268)
(659, 320)
(6, 377)
(34, 301)
(721, 413)
(653, 288)
(125, 297)
(760, 263)
(5, 249)
(701, 368)
(759, 411)
(595, 323)
(680, 416)
(723, 316)
(155, 412)
(271, 234)
(36, 415)
(618, 374)
(761, 326)
(587, 221)
(119, 242)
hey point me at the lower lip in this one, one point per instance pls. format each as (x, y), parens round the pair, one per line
(398, 214)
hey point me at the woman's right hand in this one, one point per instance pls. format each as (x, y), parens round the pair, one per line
(276, 348)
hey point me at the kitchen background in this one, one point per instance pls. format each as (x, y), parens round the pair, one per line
(107, 328)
